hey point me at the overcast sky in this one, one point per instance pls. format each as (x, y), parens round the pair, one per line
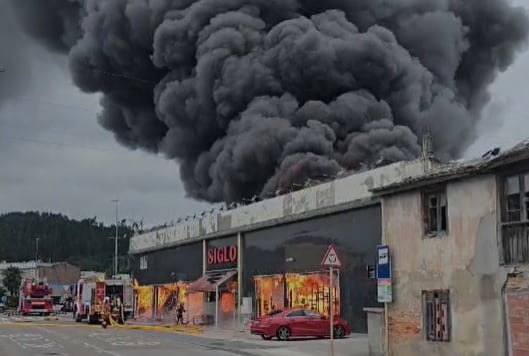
(55, 157)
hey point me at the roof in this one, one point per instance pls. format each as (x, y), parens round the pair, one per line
(491, 160)
(210, 281)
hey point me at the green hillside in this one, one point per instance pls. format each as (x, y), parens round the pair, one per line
(84, 243)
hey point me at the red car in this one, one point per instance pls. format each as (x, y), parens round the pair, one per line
(297, 323)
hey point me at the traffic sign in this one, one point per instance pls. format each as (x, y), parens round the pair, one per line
(331, 259)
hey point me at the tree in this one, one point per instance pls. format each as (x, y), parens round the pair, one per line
(12, 280)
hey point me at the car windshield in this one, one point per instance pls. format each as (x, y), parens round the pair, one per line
(274, 313)
(312, 314)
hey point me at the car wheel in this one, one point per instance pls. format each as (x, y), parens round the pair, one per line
(283, 333)
(264, 337)
(339, 332)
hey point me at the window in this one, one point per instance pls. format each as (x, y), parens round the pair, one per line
(435, 212)
(437, 325)
(296, 313)
(515, 219)
(143, 262)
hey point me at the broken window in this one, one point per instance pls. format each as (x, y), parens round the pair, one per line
(437, 325)
(515, 219)
(435, 212)
(512, 199)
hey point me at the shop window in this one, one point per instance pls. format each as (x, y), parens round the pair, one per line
(308, 291)
(515, 219)
(437, 323)
(435, 212)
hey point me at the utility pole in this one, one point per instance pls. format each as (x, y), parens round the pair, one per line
(36, 258)
(37, 249)
(116, 201)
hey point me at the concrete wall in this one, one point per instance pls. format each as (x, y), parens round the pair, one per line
(334, 196)
(466, 261)
(60, 273)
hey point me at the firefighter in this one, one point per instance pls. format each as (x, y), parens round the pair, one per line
(107, 310)
(180, 314)
(118, 310)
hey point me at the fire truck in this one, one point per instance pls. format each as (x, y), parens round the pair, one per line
(88, 301)
(121, 286)
(35, 297)
(91, 292)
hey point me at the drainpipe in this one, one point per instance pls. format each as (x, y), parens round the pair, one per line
(204, 257)
(216, 306)
(240, 256)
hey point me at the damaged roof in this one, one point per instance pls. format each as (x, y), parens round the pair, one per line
(493, 159)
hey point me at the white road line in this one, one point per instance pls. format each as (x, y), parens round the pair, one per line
(100, 350)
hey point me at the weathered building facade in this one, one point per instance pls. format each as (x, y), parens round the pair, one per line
(267, 255)
(460, 249)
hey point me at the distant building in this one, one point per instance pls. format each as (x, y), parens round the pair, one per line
(58, 273)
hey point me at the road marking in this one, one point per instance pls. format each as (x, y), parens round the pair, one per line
(99, 350)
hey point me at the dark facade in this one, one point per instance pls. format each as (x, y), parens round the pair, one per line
(300, 247)
(181, 263)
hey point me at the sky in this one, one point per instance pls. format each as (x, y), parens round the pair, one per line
(55, 157)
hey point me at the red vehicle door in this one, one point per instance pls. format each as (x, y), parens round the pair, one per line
(317, 325)
(298, 323)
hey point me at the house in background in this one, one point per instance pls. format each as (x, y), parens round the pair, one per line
(54, 273)
(459, 238)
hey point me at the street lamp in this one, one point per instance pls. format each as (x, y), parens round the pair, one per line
(116, 201)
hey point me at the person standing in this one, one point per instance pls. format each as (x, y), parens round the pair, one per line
(180, 314)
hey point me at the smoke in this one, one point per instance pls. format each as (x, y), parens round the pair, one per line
(252, 96)
(15, 72)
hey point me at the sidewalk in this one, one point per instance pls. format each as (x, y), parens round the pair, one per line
(354, 345)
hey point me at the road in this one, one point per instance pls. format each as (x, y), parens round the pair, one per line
(35, 336)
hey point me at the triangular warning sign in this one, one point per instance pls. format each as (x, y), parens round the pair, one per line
(331, 259)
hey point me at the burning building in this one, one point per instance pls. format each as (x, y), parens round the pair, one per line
(247, 261)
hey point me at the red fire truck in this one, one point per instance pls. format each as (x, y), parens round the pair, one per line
(35, 297)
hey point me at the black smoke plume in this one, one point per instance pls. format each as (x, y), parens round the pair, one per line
(251, 96)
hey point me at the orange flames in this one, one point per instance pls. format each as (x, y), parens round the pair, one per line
(144, 300)
(310, 291)
(168, 297)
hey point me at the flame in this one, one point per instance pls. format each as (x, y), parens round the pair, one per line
(227, 303)
(310, 291)
(145, 296)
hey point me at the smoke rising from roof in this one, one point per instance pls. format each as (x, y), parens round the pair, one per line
(251, 96)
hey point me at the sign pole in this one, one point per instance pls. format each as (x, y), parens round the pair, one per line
(331, 260)
(331, 311)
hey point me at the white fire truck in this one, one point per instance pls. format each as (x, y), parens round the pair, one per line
(91, 292)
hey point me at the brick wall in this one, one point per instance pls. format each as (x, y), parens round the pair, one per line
(404, 326)
(518, 309)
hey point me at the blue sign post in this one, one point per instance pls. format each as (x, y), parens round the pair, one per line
(383, 274)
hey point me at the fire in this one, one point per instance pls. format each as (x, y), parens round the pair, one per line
(145, 296)
(310, 291)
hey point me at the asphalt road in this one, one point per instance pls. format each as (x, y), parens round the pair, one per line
(34, 336)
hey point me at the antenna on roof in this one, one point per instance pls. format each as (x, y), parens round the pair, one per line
(427, 144)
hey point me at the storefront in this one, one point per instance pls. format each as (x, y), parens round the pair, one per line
(296, 290)
(212, 298)
(226, 280)
(281, 265)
